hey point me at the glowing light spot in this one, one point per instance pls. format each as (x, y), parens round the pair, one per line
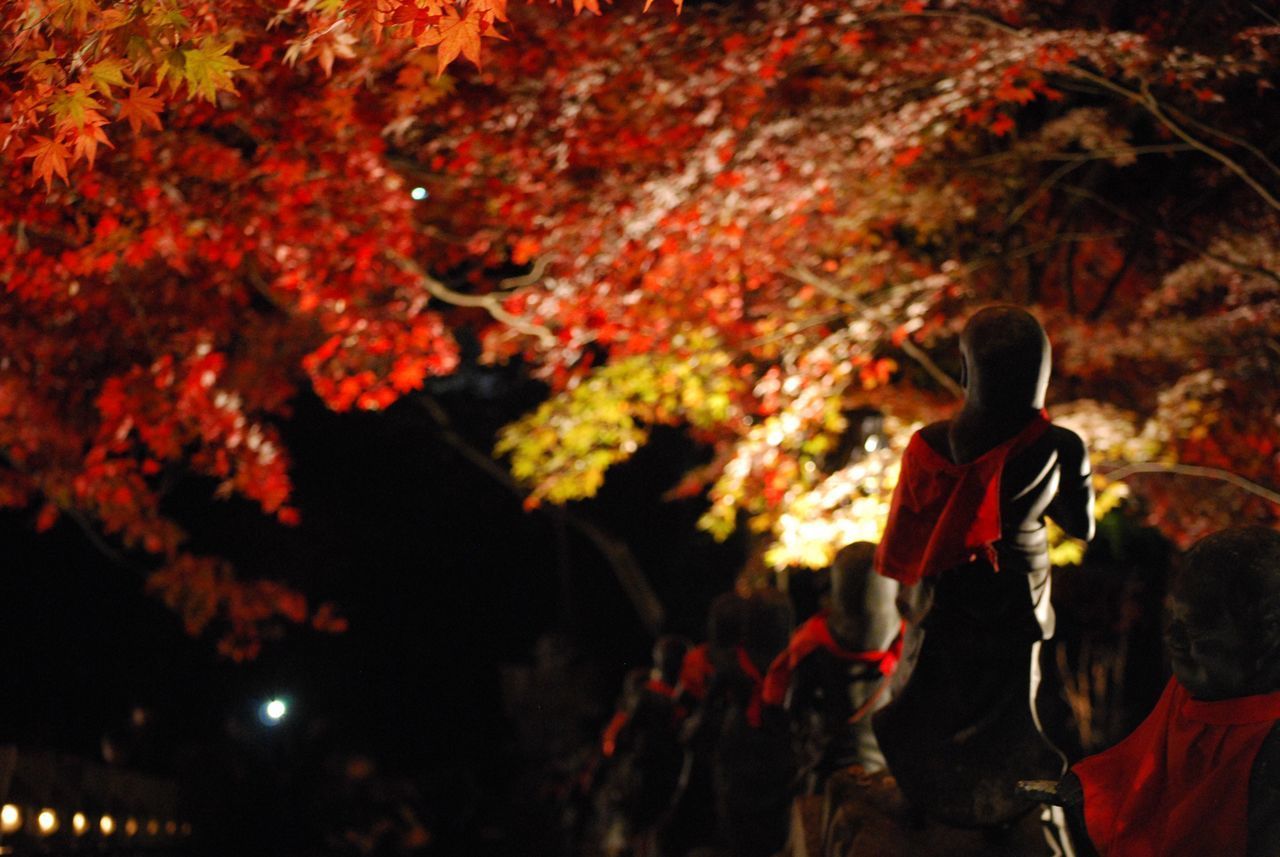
(10, 818)
(275, 710)
(79, 823)
(47, 821)
(107, 825)
(419, 193)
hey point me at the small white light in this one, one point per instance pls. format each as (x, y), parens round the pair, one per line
(10, 818)
(273, 711)
(47, 821)
(872, 443)
(107, 825)
(419, 193)
(79, 823)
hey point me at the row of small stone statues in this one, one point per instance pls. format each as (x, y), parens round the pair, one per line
(926, 661)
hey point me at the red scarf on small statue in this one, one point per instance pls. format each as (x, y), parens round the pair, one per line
(813, 635)
(1179, 785)
(945, 514)
(696, 671)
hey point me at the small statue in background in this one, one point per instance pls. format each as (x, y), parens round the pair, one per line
(643, 754)
(1201, 775)
(967, 540)
(704, 671)
(753, 768)
(834, 672)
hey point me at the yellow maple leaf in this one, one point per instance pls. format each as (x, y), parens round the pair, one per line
(207, 69)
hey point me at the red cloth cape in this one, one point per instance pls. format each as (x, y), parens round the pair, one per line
(696, 671)
(609, 741)
(1179, 785)
(808, 638)
(755, 704)
(944, 514)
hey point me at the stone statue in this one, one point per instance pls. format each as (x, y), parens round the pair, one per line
(1206, 761)
(966, 538)
(833, 674)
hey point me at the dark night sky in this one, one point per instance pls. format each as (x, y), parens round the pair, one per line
(442, 576)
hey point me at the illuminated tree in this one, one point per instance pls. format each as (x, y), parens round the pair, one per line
(746, 220)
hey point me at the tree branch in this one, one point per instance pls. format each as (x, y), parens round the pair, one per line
(912, 350)
(1125, 471)
(535, 274)
(1142, 97)
(1181, 240)
(1146, 100)
(626, 568)
(490, 303)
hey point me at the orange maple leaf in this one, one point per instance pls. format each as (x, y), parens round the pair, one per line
(51, 157)
(525, 249)
(455, 35)
(140, 108)
(495, 9)
(87, 139)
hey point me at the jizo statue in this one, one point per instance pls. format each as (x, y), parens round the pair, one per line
(1201, 775)
(967, 541)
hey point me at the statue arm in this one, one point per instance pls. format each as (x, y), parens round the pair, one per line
(1072, 506)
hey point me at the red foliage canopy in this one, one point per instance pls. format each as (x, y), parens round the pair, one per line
(744, 219)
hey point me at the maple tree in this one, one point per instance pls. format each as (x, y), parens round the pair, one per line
(746, 220)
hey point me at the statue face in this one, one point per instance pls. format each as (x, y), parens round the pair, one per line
(1207, 651)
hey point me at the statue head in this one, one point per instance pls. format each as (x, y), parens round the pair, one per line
(1006, 359)
(668, 656)
(1222, 621)
(768, 627)
(726, 620)
(863, 614)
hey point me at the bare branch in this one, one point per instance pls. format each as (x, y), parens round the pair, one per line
(490, 303)
(626, 568)
(1122, 473)
(535, 274)
(1041, 189)
(912, 350)
(1145, 99)
(1176, 238)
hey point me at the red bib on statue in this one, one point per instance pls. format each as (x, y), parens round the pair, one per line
(945, 514)
(1179, 785)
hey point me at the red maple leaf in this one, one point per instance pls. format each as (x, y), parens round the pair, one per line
(1002, 125)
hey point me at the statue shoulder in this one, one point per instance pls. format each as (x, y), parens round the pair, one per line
(1070, 445)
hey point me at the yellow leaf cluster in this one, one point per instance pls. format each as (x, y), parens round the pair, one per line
(563, 449)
